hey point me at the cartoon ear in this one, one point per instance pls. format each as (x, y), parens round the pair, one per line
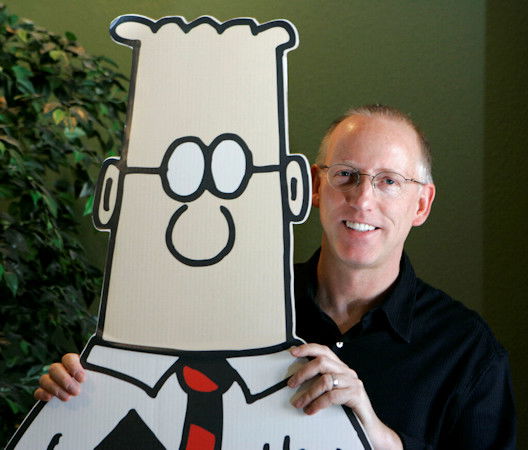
(106, 194)
(299, 188)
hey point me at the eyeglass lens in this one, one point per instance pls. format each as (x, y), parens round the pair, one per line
(344, 178)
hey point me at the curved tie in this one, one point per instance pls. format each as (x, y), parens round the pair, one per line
(204, 381)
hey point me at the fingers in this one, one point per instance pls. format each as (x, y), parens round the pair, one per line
(352, 395)
(325, 362)
(41, 394)
(63, 379)
(323, 392)
(317, 403)
(72, 363)
(49, 388)
(309, 392)
(312, 351)
(313, 368)
(329, 381)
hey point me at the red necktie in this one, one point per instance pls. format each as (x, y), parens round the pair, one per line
(204, 381)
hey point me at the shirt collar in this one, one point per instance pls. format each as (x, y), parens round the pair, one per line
(399, 304)
(397, 307)
(149, 370)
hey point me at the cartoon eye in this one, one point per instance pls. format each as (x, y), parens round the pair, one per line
(185, 168)
(228, 166)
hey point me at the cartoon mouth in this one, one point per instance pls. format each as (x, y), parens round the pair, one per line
(200, 262)
(357, 226)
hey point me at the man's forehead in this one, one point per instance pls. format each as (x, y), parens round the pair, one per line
(378, 138)
(373, 126)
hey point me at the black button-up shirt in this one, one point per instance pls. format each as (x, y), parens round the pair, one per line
(432, 368)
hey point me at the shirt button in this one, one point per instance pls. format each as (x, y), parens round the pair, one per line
(339, 344)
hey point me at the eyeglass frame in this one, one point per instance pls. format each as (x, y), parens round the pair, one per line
(207, 182)
(372, 177)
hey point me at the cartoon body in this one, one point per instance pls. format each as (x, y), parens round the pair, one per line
(196, 316)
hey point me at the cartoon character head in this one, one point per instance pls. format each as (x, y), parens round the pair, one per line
(201, 203)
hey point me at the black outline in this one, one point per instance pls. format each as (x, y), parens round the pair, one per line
(102, 197)
(25, 425)
(201, 262)
(293, 188)
(153, 391)
(54, 441)
(296, 218)
(107, 191)
(357, 426)
(220, 27)
(208, 354)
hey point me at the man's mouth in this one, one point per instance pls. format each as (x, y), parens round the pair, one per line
(357, 226)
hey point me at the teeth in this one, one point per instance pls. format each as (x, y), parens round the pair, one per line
(359, 226)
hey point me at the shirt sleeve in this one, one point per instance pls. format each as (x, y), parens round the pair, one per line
(487, 415)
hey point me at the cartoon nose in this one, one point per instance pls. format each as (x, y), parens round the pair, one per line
(194, 234)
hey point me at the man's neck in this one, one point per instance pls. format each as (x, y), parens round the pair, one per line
(346, 292)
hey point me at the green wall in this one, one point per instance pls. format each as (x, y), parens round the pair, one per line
(506, 197)
(441, 60)
(425, 57)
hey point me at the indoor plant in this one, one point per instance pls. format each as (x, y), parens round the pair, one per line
(61, 114)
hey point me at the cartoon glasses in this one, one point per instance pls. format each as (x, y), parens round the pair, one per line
(190, 167)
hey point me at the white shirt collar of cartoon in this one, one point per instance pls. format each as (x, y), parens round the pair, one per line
(147, 370)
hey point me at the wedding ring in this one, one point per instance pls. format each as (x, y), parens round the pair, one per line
(335, 382)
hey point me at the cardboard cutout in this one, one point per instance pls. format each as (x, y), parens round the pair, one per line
(191, 349)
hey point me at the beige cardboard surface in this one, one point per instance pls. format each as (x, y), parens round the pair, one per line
(196, 318)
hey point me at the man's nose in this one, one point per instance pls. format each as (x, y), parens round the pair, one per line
(362, 195)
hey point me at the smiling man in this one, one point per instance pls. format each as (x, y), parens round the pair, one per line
(418, 368)
(435, 375)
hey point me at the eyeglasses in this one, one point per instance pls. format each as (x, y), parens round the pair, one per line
(343, 177)
(190, 167)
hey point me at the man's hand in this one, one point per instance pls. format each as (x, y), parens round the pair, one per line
(63, 379)
(334, 383)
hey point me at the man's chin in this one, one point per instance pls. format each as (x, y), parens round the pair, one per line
(357, 258)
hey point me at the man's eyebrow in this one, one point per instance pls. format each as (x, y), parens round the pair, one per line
(374, 171)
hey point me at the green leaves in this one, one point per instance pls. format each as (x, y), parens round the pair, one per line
(88, 206)
(74, 133)
(61, 112)
(22, 75)
(70, 36)
(58, 116)
(11, 281)
(56, 55)
(52, 205)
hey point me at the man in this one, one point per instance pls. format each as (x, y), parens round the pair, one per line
(435, 375)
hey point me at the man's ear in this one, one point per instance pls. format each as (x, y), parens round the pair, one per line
(316, 184)
(298, 188)
(106, 195)
(425, 201)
